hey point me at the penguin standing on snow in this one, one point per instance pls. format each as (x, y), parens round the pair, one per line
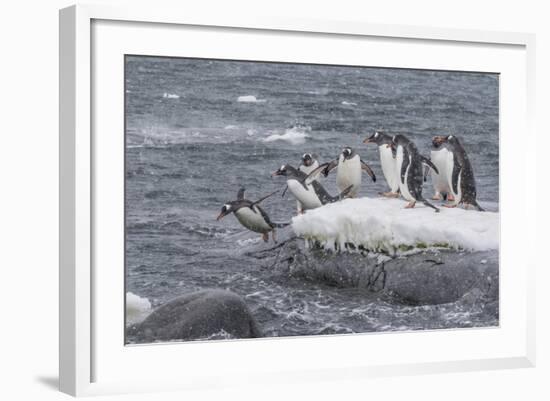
(310, 194)
(309, 163)
(460, 175)
(350, 167)
(387, 161)
(252, 216)
(442, 159)
(409, 167)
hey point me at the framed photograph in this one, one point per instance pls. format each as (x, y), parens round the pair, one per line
(259, 198)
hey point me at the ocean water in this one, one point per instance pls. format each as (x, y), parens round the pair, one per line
(198, 130)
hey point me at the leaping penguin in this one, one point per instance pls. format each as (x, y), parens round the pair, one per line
(387, 161)
(409, 167)
(310, 194)
(349, 166)
(459, 173)
(252, 216)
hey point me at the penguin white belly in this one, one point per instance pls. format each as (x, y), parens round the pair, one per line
(389, 167)
(440, 158)
(403, 186)
(349, 173)
(450, 167)
(308, 198)
(254, 221)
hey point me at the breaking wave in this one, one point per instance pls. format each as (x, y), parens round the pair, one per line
(294, 136)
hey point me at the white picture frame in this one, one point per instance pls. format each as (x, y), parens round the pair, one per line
(81, 346)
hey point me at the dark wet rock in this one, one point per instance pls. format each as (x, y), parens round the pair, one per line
(444, 277)
(200, 315)
(427, 277)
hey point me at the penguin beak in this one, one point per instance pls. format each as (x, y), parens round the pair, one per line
(367, 140)
(220, 216)
(275, 173)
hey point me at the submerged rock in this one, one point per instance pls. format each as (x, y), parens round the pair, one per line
(206, 314)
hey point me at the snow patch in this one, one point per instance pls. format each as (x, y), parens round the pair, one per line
(137, 308)
(385, 225)
(249, 99)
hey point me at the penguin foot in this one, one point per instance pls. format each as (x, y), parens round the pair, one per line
(410, 205)
(273, 236)
(436, 197)
(449, 205)
(389, 194)
(450, 198)
(265, 237)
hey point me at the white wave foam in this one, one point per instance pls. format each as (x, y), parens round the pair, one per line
(137, 308)
(294, 136)
(384, 225)
(349, 103)
(170, 96)
(230, 127)
(249, 99)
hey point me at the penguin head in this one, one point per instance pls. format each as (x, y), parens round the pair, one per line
(283, 170)
(226, 209)
(398, 140)
(437, 141)
(347, 152)
(307, 159)
(377, 138)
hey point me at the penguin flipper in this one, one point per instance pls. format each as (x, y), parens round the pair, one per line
(456, 173)
(405, 164)
(479, 208)
(369, 171)
(284, 192)
(264, 198)
(429, 163)
(424, 201)
(264, 215)
(324, 168)
(240, 194)
(344, 193)
(426, 172)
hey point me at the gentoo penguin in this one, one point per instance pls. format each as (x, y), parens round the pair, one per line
(460, 175)
(387, 161)
(310, 194)
(409, 167)
(251, 215)
(349, 166)
(309, 163)
(442, 159)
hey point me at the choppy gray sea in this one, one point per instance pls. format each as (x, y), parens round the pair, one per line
(190, 144)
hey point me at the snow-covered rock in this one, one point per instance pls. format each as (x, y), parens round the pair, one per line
(385, 225)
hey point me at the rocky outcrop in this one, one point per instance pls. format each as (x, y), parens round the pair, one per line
(206, 314)
(425, 277)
